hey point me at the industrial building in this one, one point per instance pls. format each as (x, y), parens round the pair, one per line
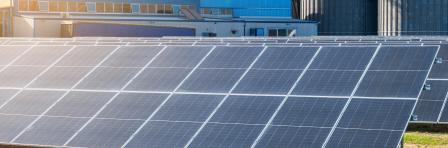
(151, 18)
(377, 17)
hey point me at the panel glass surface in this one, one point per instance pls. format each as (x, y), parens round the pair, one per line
(159, 79)
(86, 56)
(180, 56)
(267, 81)
(188, 108)
(428, 110)
(108, 78)
(327, 83)
(133, 106)
(42, 55)
(80, 104)
(293, 137)
(343, 58)
(164, 134)
(211, 80)
(247, 109)
(51, 131)
(105, 133)
(404, 58)
(19, 76)
(285, 58)
(60, 77)
(9, 53)
(316, 112)
(12, 125)
(343, 138)
(227, 135)
(231, 57)
(404, 84)
(31, 102)
(377, 114)
(136, 56)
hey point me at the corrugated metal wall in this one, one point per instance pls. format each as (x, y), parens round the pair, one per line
(342, 17)
(413, 17)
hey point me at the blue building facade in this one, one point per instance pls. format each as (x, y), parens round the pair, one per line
(252, 8)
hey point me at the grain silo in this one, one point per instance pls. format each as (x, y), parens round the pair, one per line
(342, 17)
(413, 17)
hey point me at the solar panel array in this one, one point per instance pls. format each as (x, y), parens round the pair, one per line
(183, 92)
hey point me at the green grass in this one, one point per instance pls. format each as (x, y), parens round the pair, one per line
(426, 139)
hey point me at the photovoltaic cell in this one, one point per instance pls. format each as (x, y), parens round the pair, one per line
(444, 117)
(13, 125)
(42, 55)
(105, 133)
(327, 83)
(259, 81)
(246, 109)
(316, 112)
(8, 53)
(285, 58)
(439, 71)
(343, 138)
(211, 80)
(31, 102)
(428, 110)
(60, 77)
(377, 114)
(52, 130)
(404, 84)
(180, 56)
(404, 58)
(293, 137)
(108, 78)
(227, 135)
(86, 56)
(160, 134)
(343, 58)
(80, 104)
(159, 79)
(19, 76)
(231, 57)
(136, 56)
(188, 108)
(142, 104)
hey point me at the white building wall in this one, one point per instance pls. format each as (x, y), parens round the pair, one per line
(23, 27)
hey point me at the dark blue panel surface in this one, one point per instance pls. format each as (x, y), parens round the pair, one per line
(404, 58)
(133, 106)
(268, 81)
(439, 71)
(52, 130)
(136, 56)
(212, 80)
(108, 78)
(105, 133)
(293, 137)
(31, 102)
(42, 55)
(90, 56)
(377, 114)
(317, 112)
(444, 117)
(343, 58)
(428, 110)
(180, 56)
(19, 76)
(60, 77)
(404, 84)
(344, 138)
(227, 136)
(164, 134)
(327, 83)
(231, 57)
(159, 79)
(247, 109)
(188, 108)
(80, 104)
(285, 58)
(12, 125)
(438, 91)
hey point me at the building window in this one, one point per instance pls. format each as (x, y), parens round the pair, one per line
(82, 7)
(256, 32)
(91, 7)
(23, 5)
(281, 32)
(72, 6)
(53, 6)
(127, 8)
(100, 7)
(143, 8)
(62, 6)
(108, 8)
(33, 5)
(168, 9)
(160, 8)
(207, 11)
(135, 8)
(43, 6)
(118, 8)
(152, 9)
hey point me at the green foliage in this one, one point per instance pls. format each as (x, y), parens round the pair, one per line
(429, 139)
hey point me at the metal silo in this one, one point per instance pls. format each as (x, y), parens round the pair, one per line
(413, 17)
(342, 17)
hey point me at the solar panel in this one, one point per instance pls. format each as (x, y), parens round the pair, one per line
(210, 96)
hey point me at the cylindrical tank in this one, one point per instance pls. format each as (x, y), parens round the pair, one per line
(413, 17)
(342, 17)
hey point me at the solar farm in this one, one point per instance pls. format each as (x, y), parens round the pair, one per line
(220, 92)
